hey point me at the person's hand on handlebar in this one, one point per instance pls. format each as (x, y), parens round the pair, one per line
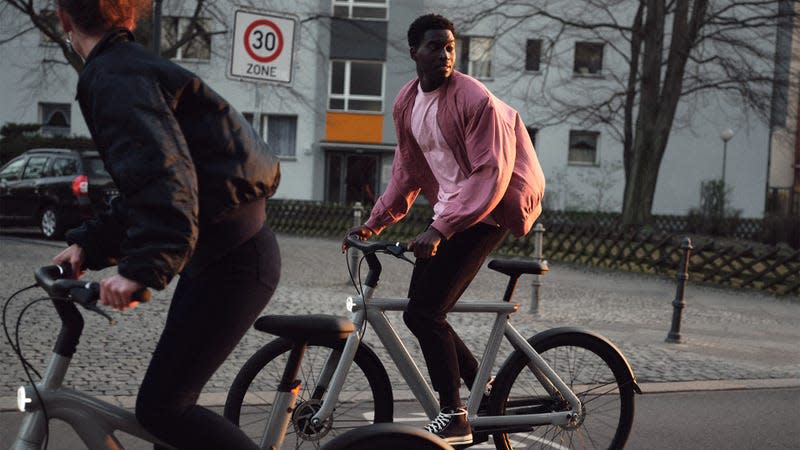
(426, 243)
(117, 291)
(361, 231)
(74, 256)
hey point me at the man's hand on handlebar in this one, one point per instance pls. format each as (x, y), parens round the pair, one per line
(117, 291)
(426, 243)
(361, 231)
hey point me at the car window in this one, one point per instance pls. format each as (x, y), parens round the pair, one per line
(94, 166)
(34, 168)
(63, 167)
(12, 170)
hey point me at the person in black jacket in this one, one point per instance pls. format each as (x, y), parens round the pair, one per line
(193, 178)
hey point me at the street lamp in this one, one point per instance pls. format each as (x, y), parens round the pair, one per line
(726, 136)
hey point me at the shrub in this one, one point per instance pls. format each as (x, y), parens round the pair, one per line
(781, 229)
(17, 138)
(714, 216)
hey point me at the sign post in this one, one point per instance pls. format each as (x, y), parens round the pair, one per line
(263, 47)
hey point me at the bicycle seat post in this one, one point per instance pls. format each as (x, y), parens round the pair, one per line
(300, 331)
(285, 398)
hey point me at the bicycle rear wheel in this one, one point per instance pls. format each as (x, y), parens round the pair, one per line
(594, 370)
(366, 396)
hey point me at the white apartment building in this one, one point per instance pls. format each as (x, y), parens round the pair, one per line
(331, 125)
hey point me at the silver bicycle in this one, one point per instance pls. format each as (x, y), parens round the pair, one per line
(563, 388)
(96, 421)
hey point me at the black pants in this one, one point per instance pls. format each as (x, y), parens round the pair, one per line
(209, 314)
(436, 285)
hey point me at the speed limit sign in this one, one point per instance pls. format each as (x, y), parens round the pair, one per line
(263, 45)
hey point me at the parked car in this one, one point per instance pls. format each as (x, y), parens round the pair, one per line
(54, 188)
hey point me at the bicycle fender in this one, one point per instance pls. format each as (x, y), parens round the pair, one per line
(367, 351)
(538, 337)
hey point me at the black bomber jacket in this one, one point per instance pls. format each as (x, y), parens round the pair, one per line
(183, 159)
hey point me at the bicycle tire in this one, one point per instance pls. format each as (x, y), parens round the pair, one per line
(593, 368)
(358, 406)
(388, 436)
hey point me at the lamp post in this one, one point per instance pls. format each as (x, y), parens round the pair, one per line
(726, 136)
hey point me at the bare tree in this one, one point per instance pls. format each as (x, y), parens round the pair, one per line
(671, 51)
(199, 20)
(45, 21)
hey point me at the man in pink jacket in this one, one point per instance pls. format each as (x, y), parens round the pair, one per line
(472, 158)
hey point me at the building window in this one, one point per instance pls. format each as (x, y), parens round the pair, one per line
(55, 118)
(583, 147)
(174, 28)
(533, 54)
(474, 56)
(280, 133)
(356, 86)
(250, 117)
(588, 58)
(360, 9)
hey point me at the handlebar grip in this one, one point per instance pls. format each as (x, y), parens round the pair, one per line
(143, 295)
(55, 280)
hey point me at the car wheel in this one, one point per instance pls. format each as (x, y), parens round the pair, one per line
(50, 223)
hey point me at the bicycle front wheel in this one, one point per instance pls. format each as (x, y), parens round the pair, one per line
(594, 370)
(366, 396)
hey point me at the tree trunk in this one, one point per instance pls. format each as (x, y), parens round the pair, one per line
(659, 101)
(640, 187)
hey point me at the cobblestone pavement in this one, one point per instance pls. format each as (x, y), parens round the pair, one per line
(728, 334)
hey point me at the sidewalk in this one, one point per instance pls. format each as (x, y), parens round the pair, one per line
(732, 339)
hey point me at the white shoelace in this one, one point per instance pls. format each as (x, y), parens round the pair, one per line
(438, 423)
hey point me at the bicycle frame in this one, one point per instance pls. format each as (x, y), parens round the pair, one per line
(372, 310)
(94, 420)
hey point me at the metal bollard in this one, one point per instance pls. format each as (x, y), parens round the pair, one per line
(678, 304)
(358, 208)
(538, 231)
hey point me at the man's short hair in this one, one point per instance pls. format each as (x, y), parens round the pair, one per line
(421, 24)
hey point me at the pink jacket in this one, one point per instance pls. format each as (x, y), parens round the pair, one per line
(492, 148)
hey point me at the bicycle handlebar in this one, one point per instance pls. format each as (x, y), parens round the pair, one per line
(369, 247)
(54, 280)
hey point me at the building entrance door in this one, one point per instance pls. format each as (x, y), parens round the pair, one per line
(352, 177)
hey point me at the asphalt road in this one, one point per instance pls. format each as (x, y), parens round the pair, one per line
(733, 420)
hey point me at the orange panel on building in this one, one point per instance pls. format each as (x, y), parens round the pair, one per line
(349, 127)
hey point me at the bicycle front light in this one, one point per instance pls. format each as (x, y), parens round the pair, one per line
(22, 399)
(354, 304)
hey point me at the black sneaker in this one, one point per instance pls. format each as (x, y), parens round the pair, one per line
(452, 426)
